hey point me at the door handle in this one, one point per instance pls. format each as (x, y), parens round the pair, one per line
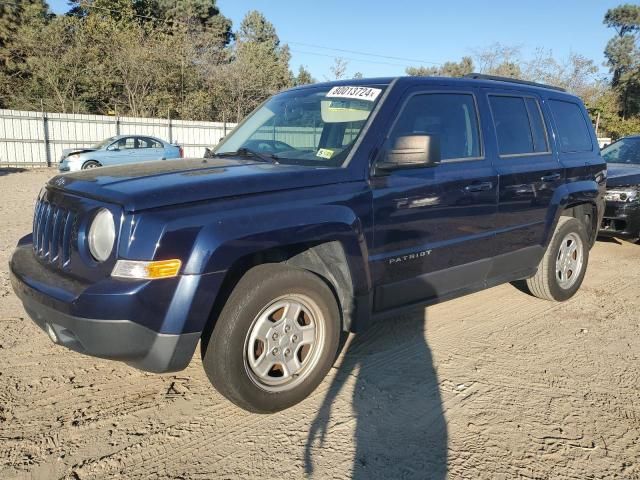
(552, 177)
(478, 187)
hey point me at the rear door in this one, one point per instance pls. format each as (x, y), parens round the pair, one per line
(528, 172)
(150, 149)
(434, 226)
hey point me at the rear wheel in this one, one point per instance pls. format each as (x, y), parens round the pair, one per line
(562, 269)
(276, 338)
(90, 164)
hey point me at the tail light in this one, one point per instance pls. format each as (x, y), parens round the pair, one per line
(181, 150)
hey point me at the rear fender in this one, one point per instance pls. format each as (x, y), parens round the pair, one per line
(569, 195)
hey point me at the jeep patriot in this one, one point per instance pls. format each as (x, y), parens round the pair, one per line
(329, 207)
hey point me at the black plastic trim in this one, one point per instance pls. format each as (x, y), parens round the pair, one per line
(122, 340)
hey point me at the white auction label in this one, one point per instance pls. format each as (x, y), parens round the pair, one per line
(359, 93)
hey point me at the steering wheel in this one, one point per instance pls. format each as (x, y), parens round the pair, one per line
(268, 146)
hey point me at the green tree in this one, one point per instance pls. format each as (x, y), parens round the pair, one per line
(14, 15)
(623, 56)
(140, 57)
(304, 77)
(448, 69)
(259, 67)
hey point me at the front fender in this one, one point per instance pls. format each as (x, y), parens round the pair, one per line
(219, 246)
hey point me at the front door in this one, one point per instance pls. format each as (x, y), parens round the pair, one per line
(434, 226)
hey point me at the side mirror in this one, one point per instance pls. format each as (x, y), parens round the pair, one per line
(113, 148)
(412, 151)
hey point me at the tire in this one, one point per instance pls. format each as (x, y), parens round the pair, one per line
(243, 344)
(553, 280)
(90, 164)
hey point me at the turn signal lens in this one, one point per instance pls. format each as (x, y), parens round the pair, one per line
(146, 270)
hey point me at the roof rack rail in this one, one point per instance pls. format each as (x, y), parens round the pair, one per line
(496, 78)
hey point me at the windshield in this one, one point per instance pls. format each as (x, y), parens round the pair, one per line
(626, 150)
(104, 143)
(311, 126)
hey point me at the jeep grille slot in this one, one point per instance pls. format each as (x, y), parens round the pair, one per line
(52, 228)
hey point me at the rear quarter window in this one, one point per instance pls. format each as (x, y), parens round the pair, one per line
(573, 130)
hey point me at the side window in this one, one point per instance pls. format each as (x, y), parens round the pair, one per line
(538, 130)
(127, 143)
(511, 121)
(144, 142)
(451, 116)
(573, 131)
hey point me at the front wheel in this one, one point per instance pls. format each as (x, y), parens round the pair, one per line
(562, 269)
(275, 339)
(90, 164)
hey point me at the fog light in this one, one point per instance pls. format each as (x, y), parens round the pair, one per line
(51, 332)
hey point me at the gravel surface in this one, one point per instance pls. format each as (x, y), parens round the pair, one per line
(494, 385)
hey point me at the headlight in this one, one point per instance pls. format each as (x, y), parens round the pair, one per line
(621, 195)
(102, 234)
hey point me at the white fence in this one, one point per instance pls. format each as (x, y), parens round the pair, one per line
(36, 139)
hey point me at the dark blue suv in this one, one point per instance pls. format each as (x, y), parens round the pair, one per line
(331, 206)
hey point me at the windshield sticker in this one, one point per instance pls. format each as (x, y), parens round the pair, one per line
(325, 153)
(358, 93)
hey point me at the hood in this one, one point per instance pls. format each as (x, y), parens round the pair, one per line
(622, 174)
(172, 182)
(69, 151)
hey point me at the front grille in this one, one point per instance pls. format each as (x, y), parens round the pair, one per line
(52, 230)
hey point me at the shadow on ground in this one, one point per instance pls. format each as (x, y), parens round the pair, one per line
(400, 426)
(609, 240)
(9, 170)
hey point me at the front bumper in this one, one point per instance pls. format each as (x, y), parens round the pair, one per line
(621, 220)
(121, 340)
(148, 325)
(69, 166)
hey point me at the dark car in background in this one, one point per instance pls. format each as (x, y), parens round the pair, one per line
(622, 213)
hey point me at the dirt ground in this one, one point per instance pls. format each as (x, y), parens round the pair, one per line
(495, 385)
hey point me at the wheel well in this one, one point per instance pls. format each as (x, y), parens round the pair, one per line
(587, 214)
(91, 161)
(327, 260)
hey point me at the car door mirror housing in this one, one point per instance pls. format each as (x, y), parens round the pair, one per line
(411, 151)
(113, 148)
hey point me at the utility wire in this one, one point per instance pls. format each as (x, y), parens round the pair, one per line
(413, 60)
(349, 58)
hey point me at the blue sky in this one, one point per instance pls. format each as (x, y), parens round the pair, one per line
(422, 30)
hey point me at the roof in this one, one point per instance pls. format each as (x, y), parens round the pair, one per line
(475, 81)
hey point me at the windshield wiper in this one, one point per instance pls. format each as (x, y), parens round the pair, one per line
(247, 152)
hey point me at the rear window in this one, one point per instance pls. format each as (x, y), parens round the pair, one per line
(573, 131)
(519, 126)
